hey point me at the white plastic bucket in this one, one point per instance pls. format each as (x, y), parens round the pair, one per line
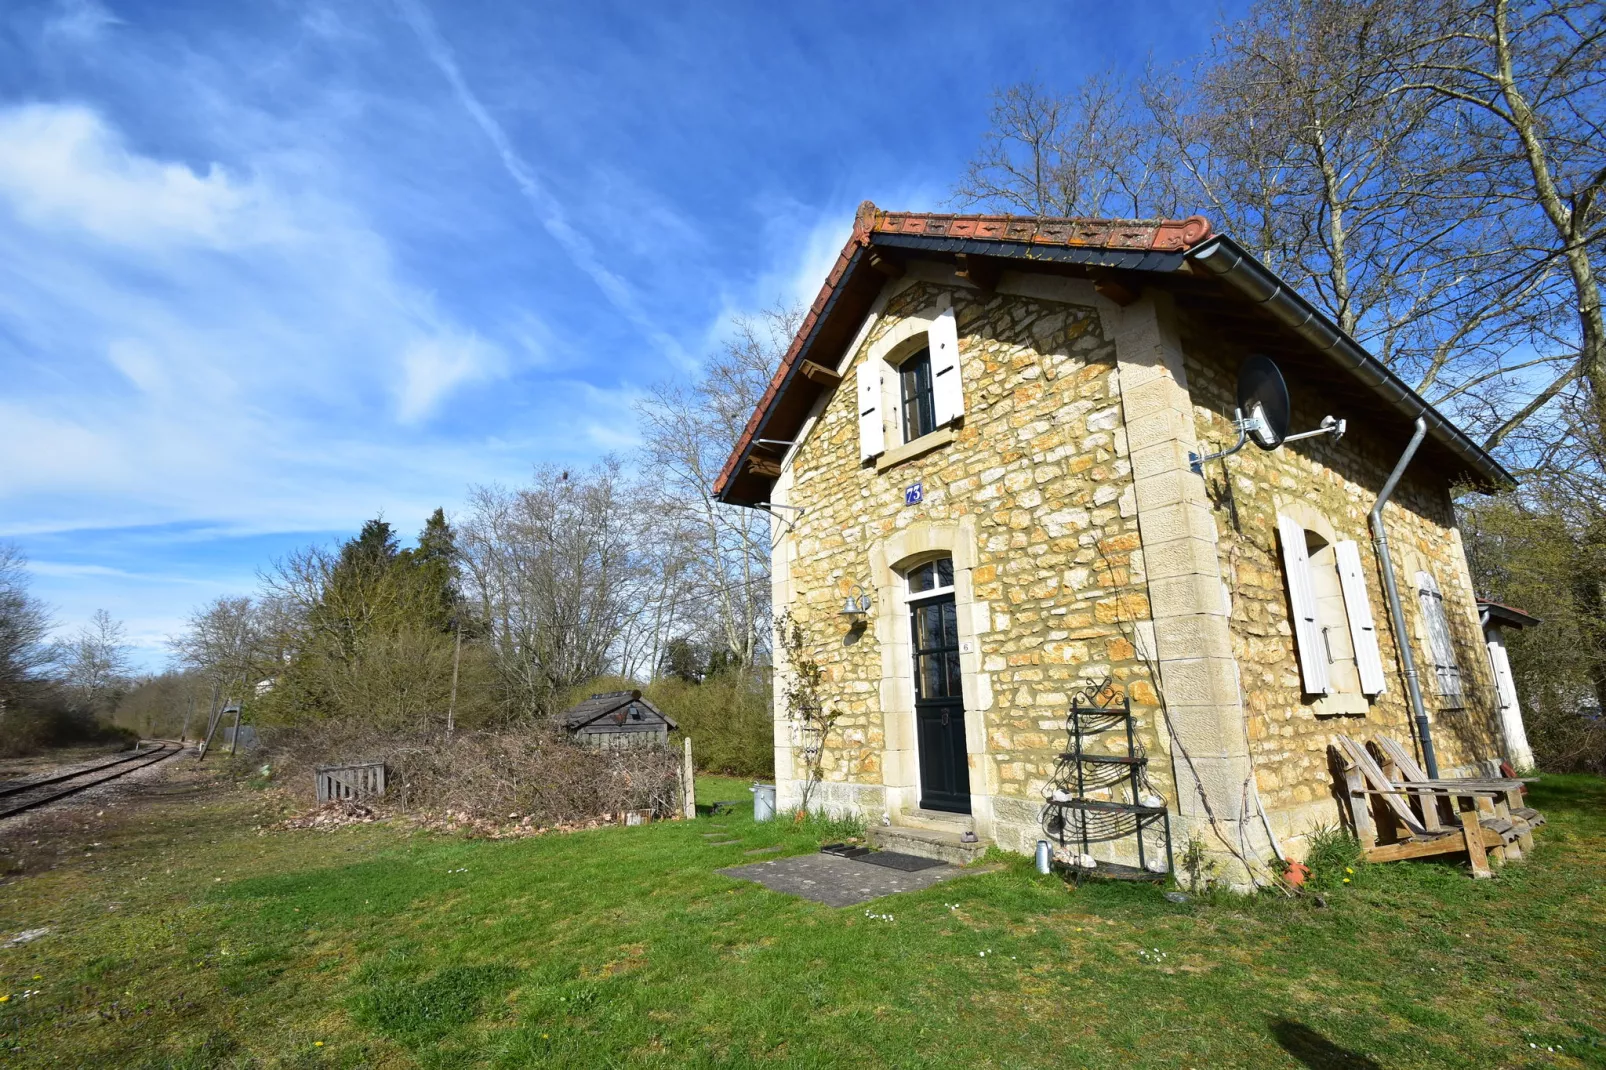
(763, 801)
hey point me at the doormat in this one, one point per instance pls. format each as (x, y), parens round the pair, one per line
(899, 861)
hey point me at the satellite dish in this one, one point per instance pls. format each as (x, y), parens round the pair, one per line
(1263, 400)
(1263, 413)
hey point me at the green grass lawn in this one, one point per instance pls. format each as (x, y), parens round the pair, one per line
(185, 938)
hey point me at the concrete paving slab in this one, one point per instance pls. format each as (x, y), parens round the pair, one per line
(839, 882)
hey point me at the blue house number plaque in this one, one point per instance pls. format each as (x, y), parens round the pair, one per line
(914, 495)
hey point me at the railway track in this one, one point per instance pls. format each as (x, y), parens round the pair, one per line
(19, 798)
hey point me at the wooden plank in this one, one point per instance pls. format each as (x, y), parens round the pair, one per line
(1360, 806)
(1375, 777)
(819, 373)
(1502, 810)
(1472, 836)
(1402, 757)
(1486, 818)
(1447, 844)
(1397, 772)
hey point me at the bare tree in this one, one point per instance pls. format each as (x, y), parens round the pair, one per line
(1528, 81)
(1081, 154)
(1310, 132)
(554, 570)
(224, 640)
(690, 429)
(24, 625)
(94, 662)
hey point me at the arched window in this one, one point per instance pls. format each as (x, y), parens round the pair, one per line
(910, 384)
(1334, 634)
(1343, 675)
(914, 390)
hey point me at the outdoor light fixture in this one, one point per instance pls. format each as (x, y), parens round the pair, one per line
(856, 605)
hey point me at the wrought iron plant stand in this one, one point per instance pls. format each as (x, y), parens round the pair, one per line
(1081, 804)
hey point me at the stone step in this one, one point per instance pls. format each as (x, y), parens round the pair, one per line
(926, 843)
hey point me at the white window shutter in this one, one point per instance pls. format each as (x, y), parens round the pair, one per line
(1302, 597)
(1439, 642)
(1358, 607)
(872, 433)
(947, 386)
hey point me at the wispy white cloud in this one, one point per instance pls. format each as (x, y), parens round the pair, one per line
(432, 367)
(193, 344)
(68, 570)
(61, 166)
(80, 21)
(552, 216)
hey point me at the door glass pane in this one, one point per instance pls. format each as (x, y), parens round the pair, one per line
(928, 634)
(950, 627)
(931, 575)
(931, 676)
(956, 685)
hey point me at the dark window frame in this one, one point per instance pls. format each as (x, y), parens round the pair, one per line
(915, 391)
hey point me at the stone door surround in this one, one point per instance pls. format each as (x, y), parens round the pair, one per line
(889, 557)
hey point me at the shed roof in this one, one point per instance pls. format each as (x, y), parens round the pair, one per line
(1213, 276)
(1510, 616)
(604, 703)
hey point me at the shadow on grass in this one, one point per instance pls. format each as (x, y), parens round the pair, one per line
(1316, 1051)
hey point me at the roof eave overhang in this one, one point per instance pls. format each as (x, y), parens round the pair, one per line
(735, 483)
(847, 293)
(1510, 616)
(1226, 260)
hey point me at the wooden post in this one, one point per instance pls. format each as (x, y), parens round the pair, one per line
(234, 736)
(1473, 832)
(1514, 802)
(1360, 806)
(1502, 810)
(457, 654)
(688, 794)
(184, 732)
(1485, 808)
(214, 718)
(214, 711)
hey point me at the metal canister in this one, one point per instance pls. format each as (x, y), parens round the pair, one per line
(1043, 856)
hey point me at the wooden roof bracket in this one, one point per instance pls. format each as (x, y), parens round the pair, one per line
(980, 271)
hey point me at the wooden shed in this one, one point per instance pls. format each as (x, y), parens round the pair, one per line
(617, 719)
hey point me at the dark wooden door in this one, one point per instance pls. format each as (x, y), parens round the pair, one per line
(939, 706)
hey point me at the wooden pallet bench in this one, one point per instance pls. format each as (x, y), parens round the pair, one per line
(1483, 820)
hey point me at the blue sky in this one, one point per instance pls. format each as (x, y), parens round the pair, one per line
(267, 270)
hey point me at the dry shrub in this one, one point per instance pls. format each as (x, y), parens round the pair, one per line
(535, 772)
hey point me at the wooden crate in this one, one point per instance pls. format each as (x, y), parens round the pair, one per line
(355, 781)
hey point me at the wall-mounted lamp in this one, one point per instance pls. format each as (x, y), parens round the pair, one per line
(856, 605)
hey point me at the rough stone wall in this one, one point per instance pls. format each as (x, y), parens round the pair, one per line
(1288, 736)
(1039, 469)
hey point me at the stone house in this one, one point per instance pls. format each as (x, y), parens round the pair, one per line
(982, 435)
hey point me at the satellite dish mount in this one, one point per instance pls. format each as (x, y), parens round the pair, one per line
(1263, 413)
